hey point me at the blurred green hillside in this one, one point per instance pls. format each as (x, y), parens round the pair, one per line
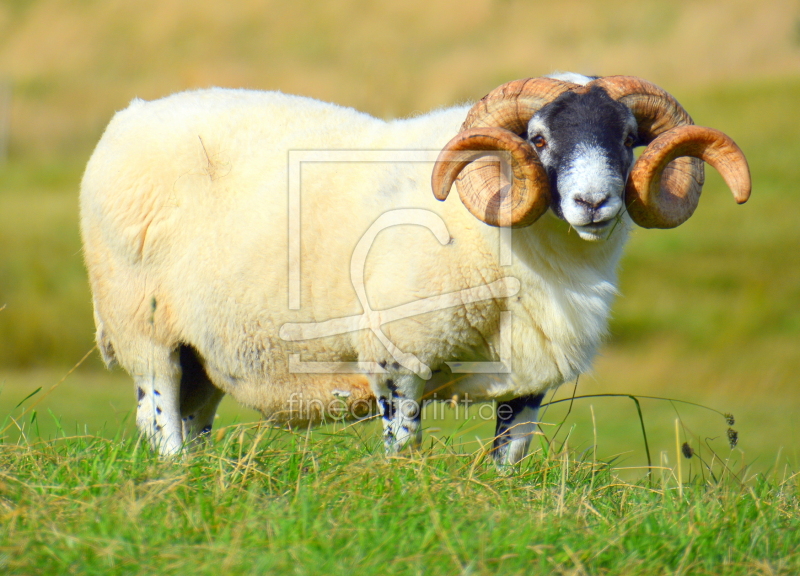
(709, 312)
(72, 63)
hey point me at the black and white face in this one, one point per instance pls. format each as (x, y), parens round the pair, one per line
(585, 142)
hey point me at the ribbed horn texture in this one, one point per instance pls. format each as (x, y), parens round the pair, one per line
(656, 201)
(516, 196)
(519, 204)
(663, 189)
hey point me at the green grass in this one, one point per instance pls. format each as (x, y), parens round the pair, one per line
(45, 403)
(93, 402)
(262, 501)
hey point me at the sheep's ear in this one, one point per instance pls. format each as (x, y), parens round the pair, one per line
(664, 187)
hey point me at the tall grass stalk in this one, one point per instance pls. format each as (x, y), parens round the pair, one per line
(678, 461)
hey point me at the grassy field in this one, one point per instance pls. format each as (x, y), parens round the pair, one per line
(266, 502)
(709, 312)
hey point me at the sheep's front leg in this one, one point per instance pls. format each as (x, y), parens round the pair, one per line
(400, 401)
(158, 416)
(516, 425)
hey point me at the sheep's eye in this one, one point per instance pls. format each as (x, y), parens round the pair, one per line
(539, 141)
(630, 140)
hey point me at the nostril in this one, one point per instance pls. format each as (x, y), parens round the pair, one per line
(592, 204)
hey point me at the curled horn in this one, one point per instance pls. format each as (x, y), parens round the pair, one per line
(654, 202)
(488, 200)
(494, 124)
(664, 187)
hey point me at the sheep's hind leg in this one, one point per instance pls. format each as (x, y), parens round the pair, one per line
(199, 398)
(400, 402)
(516, 425)
(157, 380)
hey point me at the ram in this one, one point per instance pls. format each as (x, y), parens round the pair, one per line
(289, 252)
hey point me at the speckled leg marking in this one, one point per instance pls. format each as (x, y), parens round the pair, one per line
(400, 399)
(516, 424)
(158, 396)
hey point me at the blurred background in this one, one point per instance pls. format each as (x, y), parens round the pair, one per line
(708, 313)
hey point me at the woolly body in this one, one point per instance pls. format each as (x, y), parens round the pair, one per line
(184, 216)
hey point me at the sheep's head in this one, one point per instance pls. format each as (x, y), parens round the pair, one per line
(571, 149)
(585, 143)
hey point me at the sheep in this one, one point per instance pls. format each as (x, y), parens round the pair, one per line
(335, 284)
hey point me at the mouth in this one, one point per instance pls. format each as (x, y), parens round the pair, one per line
(596, 230)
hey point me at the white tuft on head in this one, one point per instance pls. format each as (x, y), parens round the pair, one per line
(571, 77)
